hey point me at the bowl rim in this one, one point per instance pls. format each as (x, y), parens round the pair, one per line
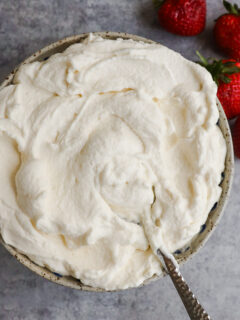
(213, 217)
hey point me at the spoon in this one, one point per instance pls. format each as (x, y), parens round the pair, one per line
(193, 307)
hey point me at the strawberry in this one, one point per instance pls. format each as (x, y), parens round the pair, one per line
(184, 17)
(227, 31)
(226, 73)
(236, 137)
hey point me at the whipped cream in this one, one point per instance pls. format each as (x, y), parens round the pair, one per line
(108, 151)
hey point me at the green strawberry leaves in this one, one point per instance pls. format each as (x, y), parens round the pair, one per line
(231, 8)
(203, 61)
(219, 70)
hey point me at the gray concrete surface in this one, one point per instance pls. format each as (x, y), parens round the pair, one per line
(214, 274)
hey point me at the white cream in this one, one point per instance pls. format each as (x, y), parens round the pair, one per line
(103, 147)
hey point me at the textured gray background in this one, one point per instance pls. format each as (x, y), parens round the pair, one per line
(214, 274)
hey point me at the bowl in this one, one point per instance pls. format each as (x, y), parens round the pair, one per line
(182, 255)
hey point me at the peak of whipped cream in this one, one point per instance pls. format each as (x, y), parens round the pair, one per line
(107, 150)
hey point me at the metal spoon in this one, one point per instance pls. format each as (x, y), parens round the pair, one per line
(193, 307)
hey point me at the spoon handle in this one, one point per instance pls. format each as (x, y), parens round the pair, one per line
(193, 307)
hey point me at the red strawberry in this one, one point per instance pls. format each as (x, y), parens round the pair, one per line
(226, 73)
(227, 31)
(236, 137)
(184, 17)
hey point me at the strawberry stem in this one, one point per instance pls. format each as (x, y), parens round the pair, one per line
(158, 3)
(219, 70)
(231, 8)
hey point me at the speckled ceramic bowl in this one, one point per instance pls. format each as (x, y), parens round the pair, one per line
(182, 254)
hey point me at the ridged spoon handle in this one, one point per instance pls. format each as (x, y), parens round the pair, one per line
(193, 307)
